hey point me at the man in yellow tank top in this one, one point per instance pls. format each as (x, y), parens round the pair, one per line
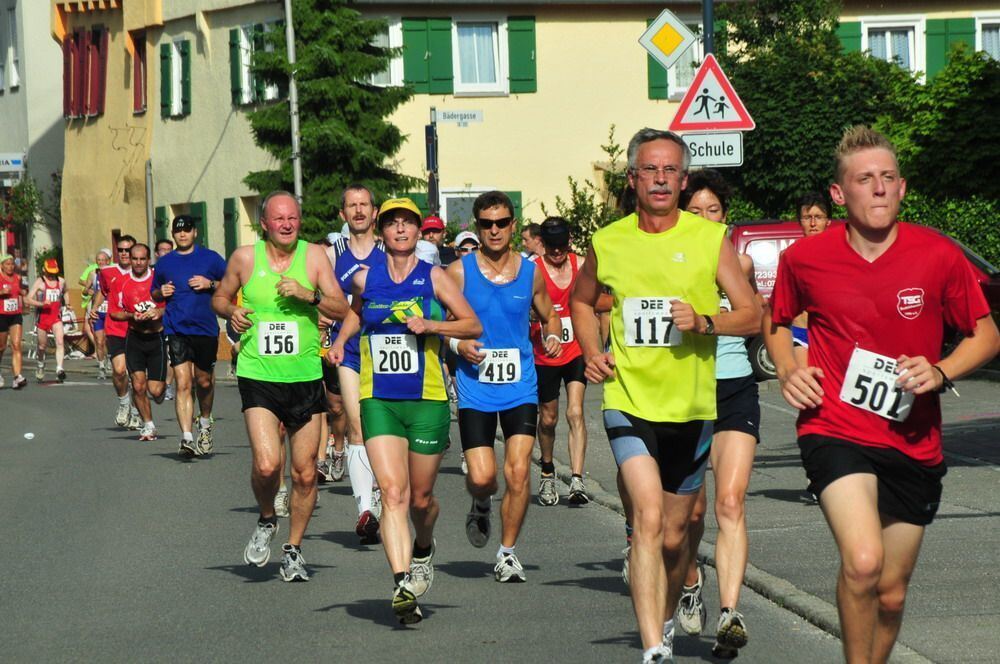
(664, 268)
(285, 284)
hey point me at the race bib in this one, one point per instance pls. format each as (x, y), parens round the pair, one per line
(52, 295)
(502, 365)
(870, 384)
(277, 338)
(103, 308)
(10, 305)
(394, 353)
(567, 330)
(648, 322)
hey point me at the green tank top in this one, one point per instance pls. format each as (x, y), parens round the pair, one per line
(282, 345)
(661, 374)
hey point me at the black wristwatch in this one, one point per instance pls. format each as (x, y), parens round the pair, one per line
(709, 326)
(317, 297)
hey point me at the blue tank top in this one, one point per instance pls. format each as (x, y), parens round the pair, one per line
(506, 379)
(395, 363)
(347, 265)
(731, 359)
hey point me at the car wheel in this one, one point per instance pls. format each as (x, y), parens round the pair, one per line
(763, 366)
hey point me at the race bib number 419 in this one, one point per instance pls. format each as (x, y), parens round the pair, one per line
(647, 322)
(502, 365)
(394, 353)
(870, 384)
(278, 338)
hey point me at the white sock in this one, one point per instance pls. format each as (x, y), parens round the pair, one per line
(668, 630)
(149, 425)
(362, 477)
(649, 653)
(204, 422)
(187, 435)
(504, 550)
(59, 367)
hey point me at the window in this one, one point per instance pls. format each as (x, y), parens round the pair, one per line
(11, 58)
(480, 56)
(176, 74)
(679, 76)
(896, 39)
(988, 36)
(246, 87)
(139, 72)
(97, 66)
(391, 37)
(456, 205)
(175, 78)
(85, 65)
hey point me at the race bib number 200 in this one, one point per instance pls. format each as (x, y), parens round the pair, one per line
(502, 365)
(870, 384)
(278, 338)
(647, 322)
(395, 353)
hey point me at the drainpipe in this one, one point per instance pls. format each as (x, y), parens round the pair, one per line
(293, 102)
(150, 221)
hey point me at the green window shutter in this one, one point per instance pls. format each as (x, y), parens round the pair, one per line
(440, 68)
(235, 73)
(230, 225)
(198, 211)
(656, 76)
(161, 223)
(942, 33)
(515, 198)
(165, 82)
(721, 32)
(521, 47)
(849, 35)
(420, 200)
(258, 47)
(186, 77)
(415, 54)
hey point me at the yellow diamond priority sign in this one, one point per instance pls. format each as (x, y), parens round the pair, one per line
(667, 38)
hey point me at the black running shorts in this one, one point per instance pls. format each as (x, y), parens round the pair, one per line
(479, 429)
(550, 377)
(200, 349)
(738, 406)
(293, 404)
(116, 345)
(907, 490)
(331, 379)
(146, 353)
(8, 321)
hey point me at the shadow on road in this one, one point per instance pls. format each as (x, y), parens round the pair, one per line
(607, 584)
(379, 611)
(345, 538)
(269, 572)
(471, 569)
(786, 495)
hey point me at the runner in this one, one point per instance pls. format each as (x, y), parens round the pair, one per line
(11, 319)
(665, 268)
(734, 442)
(432, 230)
(285, 284)
(88, 285)
(496, 375)
(869, 425)
(145, 347)
(531, 239)
(95, 318)
(185, 279)
(813, 212)
(397, 305)
(357, 250)
(47, 294)
(559, 267)
(108, 300)
(465, 243)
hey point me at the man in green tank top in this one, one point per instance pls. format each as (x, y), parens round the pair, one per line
(286, 283)
(664, 268)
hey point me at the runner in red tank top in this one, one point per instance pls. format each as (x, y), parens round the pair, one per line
(47, 294)
(878, 294)
(11, 321)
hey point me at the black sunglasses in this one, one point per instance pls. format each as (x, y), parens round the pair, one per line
(121, 249)
(501, 223)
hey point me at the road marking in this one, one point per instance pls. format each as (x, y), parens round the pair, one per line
(72, 384)
(782, 409)
(973, 460)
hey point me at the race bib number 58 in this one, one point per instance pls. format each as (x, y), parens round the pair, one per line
(502, 365)
(278, 338)
(870, 384)
(648, 322)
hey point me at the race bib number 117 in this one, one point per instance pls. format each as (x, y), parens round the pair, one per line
(870, 384)
(648, 322)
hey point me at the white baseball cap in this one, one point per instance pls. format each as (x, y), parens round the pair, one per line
(465, 236)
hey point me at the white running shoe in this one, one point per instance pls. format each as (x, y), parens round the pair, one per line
(338, 466)
(625, 552)
(281, 503)
(293, 565)
(258, 549)
(422, 572)
(691, 612)
(508, 569)
(730, 636)
(147, 432)
(547, 494)
(465, 465)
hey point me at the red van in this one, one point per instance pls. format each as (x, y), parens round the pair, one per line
(764, 240)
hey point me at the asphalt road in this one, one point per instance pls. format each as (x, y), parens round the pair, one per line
(116, 550)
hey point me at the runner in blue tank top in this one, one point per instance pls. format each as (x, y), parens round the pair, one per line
(496, 374)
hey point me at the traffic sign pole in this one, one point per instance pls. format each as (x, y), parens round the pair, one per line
(708, 26)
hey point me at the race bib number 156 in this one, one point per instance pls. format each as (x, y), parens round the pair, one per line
(870, 384)
(648, 322)
(278, 338)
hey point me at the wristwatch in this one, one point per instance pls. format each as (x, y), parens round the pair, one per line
(317, 297)
(709, 326)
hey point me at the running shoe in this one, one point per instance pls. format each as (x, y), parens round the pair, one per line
(147, 432)
(61, 375)
(324, 471)
(377, 502)
(2, 381)
(661, 656)
(625, 552)
(204, 443)
(691, 612)
(101, 373)
(134, 421)
(422, 572)
(40, 373)
(330, 448)
(547, 494)
(19, 382)
(477, 526)
(578, 492)
(188, 448)
(404, 603)
(258, 550)
(281, 503)
(465, 465)
(338, 466)
(367, 527)
(508, 569)
(731, 634)
(169, 393)
(122, 415)
(293, 565)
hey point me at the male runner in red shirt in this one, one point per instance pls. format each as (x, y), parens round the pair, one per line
(108, 299)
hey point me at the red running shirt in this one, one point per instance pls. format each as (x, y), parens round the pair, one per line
(110, 279)
(10, 301)
(896, 305)
(560, 300)
(136, 294)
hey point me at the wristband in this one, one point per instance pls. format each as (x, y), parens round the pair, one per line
(553, 336)
(453, 345)
(946, 383)
(316, 298)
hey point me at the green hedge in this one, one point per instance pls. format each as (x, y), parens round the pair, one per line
(975, 221)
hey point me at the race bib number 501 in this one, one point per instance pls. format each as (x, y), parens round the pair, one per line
(502, 365)
(647, 322)
(278, 338)
(870, 384)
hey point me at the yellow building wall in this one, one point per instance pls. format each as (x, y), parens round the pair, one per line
(853, 11)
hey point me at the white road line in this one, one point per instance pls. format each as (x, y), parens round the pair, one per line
(782, 409)
(972, 460)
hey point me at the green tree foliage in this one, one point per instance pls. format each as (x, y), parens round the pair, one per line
(946, 145)
(973, 221)
(345, 136)
(23, 208)
(802, 91)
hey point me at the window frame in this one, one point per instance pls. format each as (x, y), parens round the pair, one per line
(176, 78)
(915, 22)
(246, 60)
(502, 50)
(471, 191)
(12, 77)
(271, 90)
(982, 20)
(676, 92)
(395, 33)
(140, 71)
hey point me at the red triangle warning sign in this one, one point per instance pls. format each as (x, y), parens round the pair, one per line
(711, 103)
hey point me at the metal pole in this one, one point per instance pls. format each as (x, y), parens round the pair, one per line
(708, 26)
(293, 102)
(150, 222)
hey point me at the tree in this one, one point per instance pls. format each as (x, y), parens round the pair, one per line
(345, 136)
(802, 91)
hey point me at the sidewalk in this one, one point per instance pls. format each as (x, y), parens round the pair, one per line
(952, 606)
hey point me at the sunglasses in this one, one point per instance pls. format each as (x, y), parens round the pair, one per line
(501, 223)
(467, 250)
(124, 249)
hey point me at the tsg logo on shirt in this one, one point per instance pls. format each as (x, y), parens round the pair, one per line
(910, 302)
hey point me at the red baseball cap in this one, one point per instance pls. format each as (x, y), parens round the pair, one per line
(51, 266)
(432, 223)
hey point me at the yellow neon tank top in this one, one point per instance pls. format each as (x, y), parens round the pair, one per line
(661, 374)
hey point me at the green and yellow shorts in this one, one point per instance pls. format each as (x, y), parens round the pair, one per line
(424, 424)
